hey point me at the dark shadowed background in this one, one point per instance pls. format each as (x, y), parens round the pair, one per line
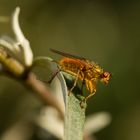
(106, 31)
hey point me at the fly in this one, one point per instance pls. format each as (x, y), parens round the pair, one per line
(83, 69)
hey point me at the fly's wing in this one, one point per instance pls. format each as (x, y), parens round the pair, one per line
(67, 54)
(91, 64)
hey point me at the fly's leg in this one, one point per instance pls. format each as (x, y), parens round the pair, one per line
(83, 79)
(53, 76)
(86, 98)
(83, 83)
(91, 87)
(75, 82)
(89, 96)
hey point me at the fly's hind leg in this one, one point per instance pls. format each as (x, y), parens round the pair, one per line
(83, 83)
(75, 82)
(54, 75)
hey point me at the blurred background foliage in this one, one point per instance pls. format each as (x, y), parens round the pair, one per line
(106, 31)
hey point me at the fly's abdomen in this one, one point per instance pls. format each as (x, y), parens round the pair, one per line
(72, 67)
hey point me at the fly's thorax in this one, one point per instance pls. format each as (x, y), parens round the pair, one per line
(97, 71)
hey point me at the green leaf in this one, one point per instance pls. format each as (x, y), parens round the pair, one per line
(58, 83)
(42, 61)
(74, 119)
(74, 113)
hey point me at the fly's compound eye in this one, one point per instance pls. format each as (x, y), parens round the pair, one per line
(106, 74)
(105, 77)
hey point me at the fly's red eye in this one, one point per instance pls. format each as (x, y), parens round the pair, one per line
(105, 74)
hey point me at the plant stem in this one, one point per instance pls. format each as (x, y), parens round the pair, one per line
(43, 92)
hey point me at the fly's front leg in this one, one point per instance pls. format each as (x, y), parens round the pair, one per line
(91, 87)
(86, 98)
(90, 95)
(75, 82)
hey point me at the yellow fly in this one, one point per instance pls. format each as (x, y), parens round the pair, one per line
(85, 70)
